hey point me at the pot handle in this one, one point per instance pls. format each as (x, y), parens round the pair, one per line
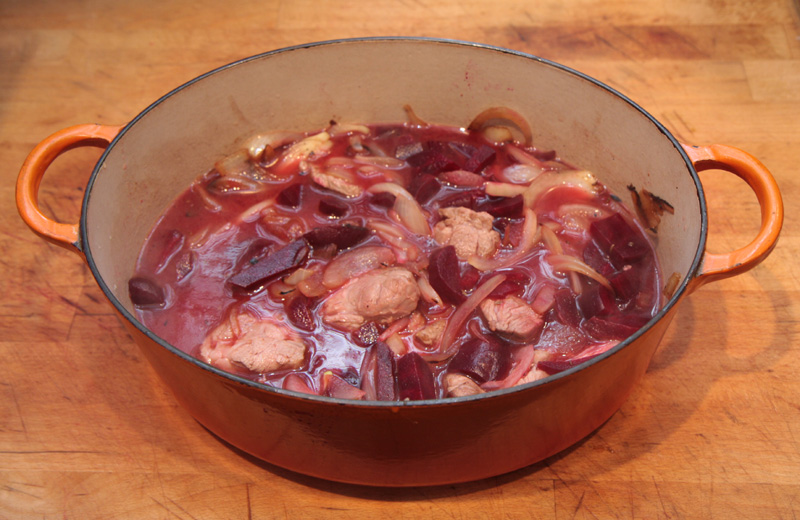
(755, 174)
(37, 162)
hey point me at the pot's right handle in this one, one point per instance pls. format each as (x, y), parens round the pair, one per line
(30, 177)
(755, 174)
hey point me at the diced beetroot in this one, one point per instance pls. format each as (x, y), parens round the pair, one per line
(616, 238)
(281, 261)
(461, 199)
(342, 235)
(366, 335)
(298, 311)
(597, 260)
(145, 293)
(482, 359)
(507, 288)
(555, 366)
(384, 373)
(565, 309)
(436, 157)
(480, 159)
(424, 188)
(443, 274)
(595, 300)
(383, 199)
(509, 207)
(332, 207)
(414, 378)
(612, 327)
(469, 278)
(290, 197)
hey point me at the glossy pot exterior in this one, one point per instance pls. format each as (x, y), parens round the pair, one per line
(152, 159)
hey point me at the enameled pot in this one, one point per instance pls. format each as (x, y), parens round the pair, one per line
(150, 160)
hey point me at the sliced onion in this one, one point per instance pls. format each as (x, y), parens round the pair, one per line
(347, 128)
(427, 291)
(497, 134)
(567, 263)
(407, 208)
(233, 164)
(413, 118)
(457, 319)
(554, 245)
(396, 238)
(297, 383)
(530, 235)
(355, 262)
(254, 211)
(523, 157)
(504, 189)
(504, 114)
(211, 204)
(381, 162)
(256, 145)
(582, 179)
(519, 173)
(524, 359)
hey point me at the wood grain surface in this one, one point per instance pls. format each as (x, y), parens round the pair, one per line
(713, 431)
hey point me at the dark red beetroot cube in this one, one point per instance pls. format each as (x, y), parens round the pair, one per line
(469, 278)
(332, 207)
(597, 260)
(424, 188)
(443, 274)
(298, 311)
(437, 157)
(566, 309)
(341, 235)
(145, 293)
(509, 207)
(514, 284)
(595, 300)
(617, 239)
(612, 327)
(281, 261)
(290, 197)
(414, 378)
(461, 199)
(480, 159)
(383, 374)
(482, 359)
(555, 366)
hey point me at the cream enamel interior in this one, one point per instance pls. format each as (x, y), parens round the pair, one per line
(182, 135)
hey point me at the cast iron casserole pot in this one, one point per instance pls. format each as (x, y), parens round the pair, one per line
(149, 161)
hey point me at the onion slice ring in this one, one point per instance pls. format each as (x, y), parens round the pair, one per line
(505, 114)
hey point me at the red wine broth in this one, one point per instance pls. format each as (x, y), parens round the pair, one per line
(255, 235)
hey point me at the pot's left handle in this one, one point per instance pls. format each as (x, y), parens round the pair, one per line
(30, 177)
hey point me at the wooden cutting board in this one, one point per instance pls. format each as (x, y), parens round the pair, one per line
(713, 430)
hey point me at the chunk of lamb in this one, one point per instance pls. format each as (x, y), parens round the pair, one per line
(470, 232)
(258, 345)
(512, 317)
(382, 296)
(460, 385)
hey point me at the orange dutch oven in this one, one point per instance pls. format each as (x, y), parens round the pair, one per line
(149, 161)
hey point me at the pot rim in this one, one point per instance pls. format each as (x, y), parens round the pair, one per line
(661, 314)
